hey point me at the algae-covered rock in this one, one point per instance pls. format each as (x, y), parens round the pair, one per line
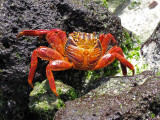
(44, 102)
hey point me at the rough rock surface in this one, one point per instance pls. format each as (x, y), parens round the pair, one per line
(150, 50)
(140, 103)
(16, 16)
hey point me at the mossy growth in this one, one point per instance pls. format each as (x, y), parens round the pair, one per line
(60, 104)
(44, 102)
(131, 49)
(152, 115)
(105, 3)
(158, 73)
(72, 94)
(128, 42)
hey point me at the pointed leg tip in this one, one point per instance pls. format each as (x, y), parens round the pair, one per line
(19, 35)
(31, 85)
(133, 72)
(56, 94)
(125, 74)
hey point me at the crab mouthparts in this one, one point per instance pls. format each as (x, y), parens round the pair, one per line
(84, 40)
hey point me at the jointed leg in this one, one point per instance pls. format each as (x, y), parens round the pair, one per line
(56, 65)
(41, 32)
(57, 41)
(44, 53)
(32, 33)
(61, 34)
(55, 37)
(105, 40)
(116, 49)
(110, 56)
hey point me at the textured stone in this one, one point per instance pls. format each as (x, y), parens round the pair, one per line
(141, 102)
(150, 50)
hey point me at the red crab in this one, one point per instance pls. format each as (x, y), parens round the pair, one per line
(83, 51)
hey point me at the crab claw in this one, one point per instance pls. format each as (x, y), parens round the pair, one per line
(32, 33)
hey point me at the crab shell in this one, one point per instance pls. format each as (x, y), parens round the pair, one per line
(83, 49)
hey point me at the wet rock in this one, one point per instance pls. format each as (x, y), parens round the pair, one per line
(150, 50)
(141, 102)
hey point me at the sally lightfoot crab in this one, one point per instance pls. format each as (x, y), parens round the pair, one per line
(83, 51)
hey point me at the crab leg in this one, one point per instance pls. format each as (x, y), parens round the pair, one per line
(105, 40)
(32, 33)
(119, 50)
(55, 37)
(56, 65)
(44, 53)
(56, 42)
(110, 56)
(41, 32)
(61, 34)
